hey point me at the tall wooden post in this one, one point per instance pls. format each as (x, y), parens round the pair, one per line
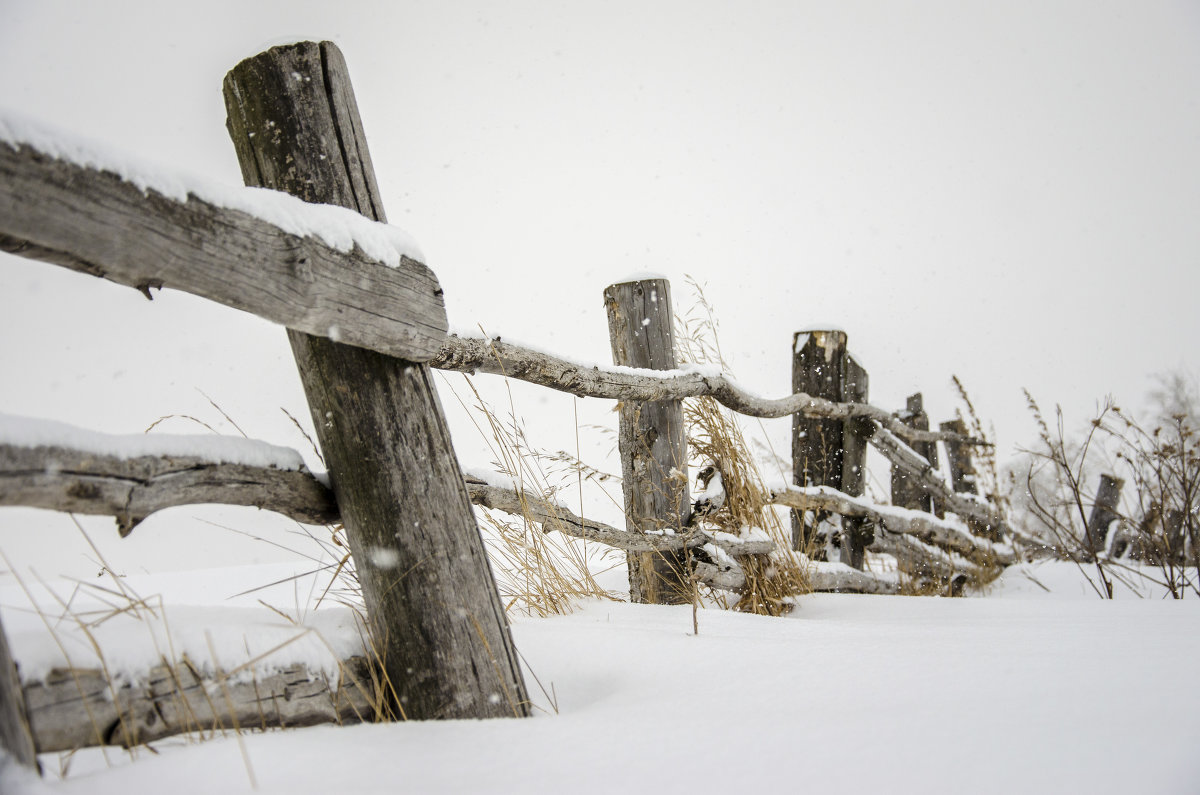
(652, 439)
(817, 367)
(907, 493)
(829, 452)
(435, 616)
(857, 532)
(16, 738)
(1104, 513)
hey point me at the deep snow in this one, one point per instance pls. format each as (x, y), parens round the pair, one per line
(849, 693)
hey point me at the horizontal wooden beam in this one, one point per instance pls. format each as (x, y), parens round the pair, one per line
(130, 489)
(97, 222)
(72, 709)
(923, 526)
(471, 355)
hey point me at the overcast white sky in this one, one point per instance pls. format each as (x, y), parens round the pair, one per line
(1005, 191)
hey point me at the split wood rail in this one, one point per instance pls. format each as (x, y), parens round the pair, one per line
(366, 322)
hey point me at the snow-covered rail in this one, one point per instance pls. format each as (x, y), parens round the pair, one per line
(324, 270)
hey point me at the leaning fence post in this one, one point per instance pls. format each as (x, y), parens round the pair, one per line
(906, 492)
(15, 735)
(652, 439)
(1104, 513)
(435, 616)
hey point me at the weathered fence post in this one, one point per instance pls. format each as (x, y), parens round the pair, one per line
(652, 438)
(15, 737)
(829, 452)
(436, 618)
(816, 443)
(963, 477)
(857, 531)
(1104, 513)
(906, 492)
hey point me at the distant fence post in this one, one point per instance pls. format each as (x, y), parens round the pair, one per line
(829, 452)
(1104, 513)
(906, 492)
(652, 439)
(857, 531)
(963, 477)
(435, 614)
(15, 735)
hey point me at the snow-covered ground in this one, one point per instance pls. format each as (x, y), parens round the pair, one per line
(1035, 688)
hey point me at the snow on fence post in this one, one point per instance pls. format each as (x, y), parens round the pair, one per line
(907, 492)
(436, 618)
(829, 452)
(652, 440)
(1104, 513)
(16, 738)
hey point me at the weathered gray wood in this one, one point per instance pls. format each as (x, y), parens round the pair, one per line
(857, 532)
(925, 527)
(818, 369)
(1104, 512)
(472, 355)
(849, 580)
(964, 479)
(97, 223)
(558, 517)
(434, 611)
(651, 438)
(80, 708)
(16, 739)
(130, 489)
(962, 466)
(907, 492)
(971, 508)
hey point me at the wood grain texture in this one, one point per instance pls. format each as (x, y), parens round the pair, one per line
(818, 367)
(130, 489)
(80, 708)
(16, 738)
(470, 355)
(651, 438)
(434, 611)
(96, 223)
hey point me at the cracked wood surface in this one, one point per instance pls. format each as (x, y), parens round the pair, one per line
(80, 708)
(97, 223)
(130, 489)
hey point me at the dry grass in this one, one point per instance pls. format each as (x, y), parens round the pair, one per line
(538, 571)
(715, 437)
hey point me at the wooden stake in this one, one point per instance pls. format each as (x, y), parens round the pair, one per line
(652, 441)
(907, 492)
(1104, 512)
(435, 615)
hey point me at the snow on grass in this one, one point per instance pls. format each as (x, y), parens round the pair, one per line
(338, 227)
(33, 432)
(849, 693)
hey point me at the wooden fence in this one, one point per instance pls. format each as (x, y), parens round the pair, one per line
(366, 323)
